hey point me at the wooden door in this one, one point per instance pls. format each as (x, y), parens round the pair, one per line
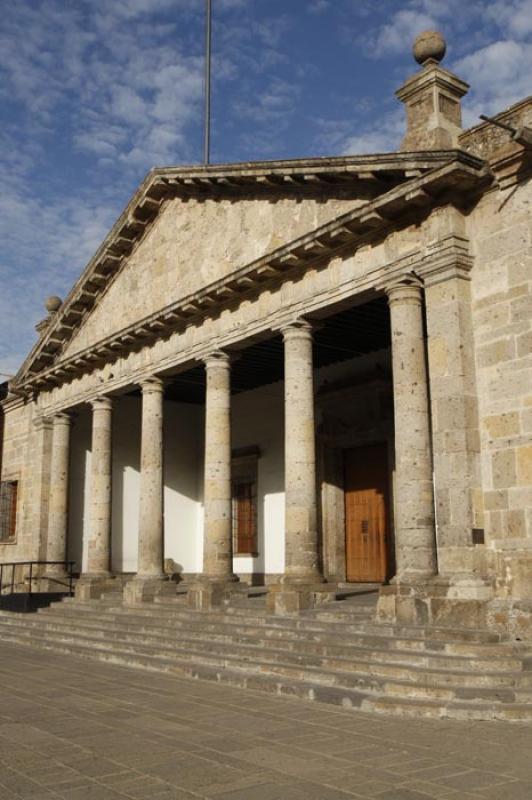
(366, 513)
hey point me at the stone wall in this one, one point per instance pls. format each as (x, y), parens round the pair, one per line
(25, 443)
(500, 229)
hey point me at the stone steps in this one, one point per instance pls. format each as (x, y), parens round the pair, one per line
(344, 659)
(327, 651)
(271, 629)
(332, 674)
(306, 621)
(369, 663)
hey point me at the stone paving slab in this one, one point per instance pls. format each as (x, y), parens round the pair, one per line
(74, 730)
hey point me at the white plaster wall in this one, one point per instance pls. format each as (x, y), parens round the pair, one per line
(182, 491)
(183, 458)
(258, 419)
(126, 483)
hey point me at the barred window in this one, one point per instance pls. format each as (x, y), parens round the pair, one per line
(244, 501)
(8, 510)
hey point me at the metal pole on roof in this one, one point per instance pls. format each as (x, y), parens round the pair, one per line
(208, 38)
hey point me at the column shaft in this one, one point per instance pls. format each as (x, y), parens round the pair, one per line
(58, 504)
(217, 546)
(99, 550)
(151, 524)
(301, 533)
(415, 542)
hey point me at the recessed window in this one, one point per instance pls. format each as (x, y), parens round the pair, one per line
(244, 502)
(8, 510)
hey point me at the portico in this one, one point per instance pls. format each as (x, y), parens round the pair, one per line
(303, 374)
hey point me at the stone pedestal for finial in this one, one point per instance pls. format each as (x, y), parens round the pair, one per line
(432, 99)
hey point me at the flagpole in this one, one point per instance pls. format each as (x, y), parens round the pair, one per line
(207, 133)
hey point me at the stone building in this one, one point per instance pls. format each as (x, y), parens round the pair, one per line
(299, 372)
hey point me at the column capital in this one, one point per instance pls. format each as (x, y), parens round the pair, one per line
(42, 423)
(102, 403)
(152, 385)
(217, 358)
(63, 418)
(406, 288)
(299, 328)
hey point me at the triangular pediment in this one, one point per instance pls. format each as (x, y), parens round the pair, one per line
(188, 230)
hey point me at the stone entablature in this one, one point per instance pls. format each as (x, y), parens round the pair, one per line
(363, 274)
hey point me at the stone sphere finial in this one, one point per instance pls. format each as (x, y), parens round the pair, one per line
(429, 46)
(53, 304)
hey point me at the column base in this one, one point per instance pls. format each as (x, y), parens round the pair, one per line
(291, 597)
(145, 589)
(208, 593)
(458, 600)
(53, 582)
(94, 587)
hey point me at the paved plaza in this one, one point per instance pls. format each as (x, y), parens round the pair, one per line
(79, 730)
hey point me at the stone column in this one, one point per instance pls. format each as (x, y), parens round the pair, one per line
(99, 550)
(217, 544)
(300, 585)
(151, 523)
(301, 529)
(150, 578)
(217, 581)
(415, 541)
(56, 549)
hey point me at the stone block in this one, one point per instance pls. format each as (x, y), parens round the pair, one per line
(145, 590)
(205, 594)
(503, 468)
(502, 425)
(524, 466)
(496, 352)
(291, 598)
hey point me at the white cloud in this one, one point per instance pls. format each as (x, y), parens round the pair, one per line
(318, 6)
(397, 35)
(513, 16)
(382, 136)
(500, 75)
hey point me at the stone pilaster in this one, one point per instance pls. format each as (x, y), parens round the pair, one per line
(56, 548)
(454, 416)
(302, 577)
(150, 579)
(415, 541)
(215, 585)
(41, 481)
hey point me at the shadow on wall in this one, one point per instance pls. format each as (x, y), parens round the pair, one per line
(182, 477)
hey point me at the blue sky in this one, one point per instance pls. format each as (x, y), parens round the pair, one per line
(95, 92)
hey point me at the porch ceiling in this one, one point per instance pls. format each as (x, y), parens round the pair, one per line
(348, 334)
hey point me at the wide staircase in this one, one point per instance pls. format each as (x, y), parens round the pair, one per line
(335, 654)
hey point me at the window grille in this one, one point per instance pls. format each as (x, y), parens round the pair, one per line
(8, 510)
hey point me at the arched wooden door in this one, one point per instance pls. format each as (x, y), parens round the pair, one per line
(366, 513)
